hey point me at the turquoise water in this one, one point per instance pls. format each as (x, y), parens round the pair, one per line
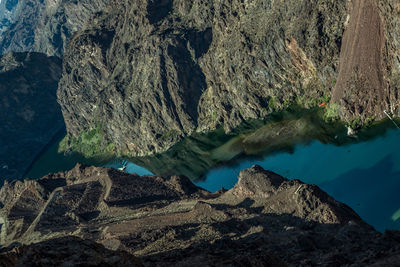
(365, 176)
(130, 167)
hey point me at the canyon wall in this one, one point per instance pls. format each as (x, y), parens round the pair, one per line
(144, 74)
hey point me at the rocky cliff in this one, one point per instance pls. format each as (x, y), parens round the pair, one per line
(265, 220)
(43, 26)
(29, 113)
(143, 74)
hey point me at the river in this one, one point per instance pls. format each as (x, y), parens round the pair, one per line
(364, 172)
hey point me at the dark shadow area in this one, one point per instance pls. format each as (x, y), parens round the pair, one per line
(87, 216)
(30, 116)
(56, 139)
(10, 4)
(70, 250)
(104, 39)
(52, 183)
(373, 192)
(158, 10)
(245, 204)
(192, 81)
(141, 202)
(200, 41)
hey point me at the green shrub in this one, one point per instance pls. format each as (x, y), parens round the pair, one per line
(332, 112)
(90, 143)
(272, 103)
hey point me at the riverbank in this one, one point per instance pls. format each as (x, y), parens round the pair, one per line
(298, 145)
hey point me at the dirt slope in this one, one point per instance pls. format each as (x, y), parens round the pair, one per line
(362, 85)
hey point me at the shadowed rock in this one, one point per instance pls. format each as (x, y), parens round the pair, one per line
(71, 251)
(30, 116)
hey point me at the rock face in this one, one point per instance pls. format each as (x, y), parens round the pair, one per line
(148, 73)
(29, 113)
(42, 26)
(265, 220)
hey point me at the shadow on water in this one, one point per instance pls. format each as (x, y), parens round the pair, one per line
(372, 192)
(52, 161)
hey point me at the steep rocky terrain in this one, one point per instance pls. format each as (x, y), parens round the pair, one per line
(43, 26)
(29, 113)
(143, 74)
(265, 220)
(368, 81)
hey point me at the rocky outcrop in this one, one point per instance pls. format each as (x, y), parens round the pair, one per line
(69, 251)
(148, 73)
(18, 33)
(265, 220)
(30, 116)
(43, 26)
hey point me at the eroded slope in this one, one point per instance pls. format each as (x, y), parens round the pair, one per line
(366, 83)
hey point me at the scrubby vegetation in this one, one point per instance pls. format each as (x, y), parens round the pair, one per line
(90, 143)
(332, 112)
